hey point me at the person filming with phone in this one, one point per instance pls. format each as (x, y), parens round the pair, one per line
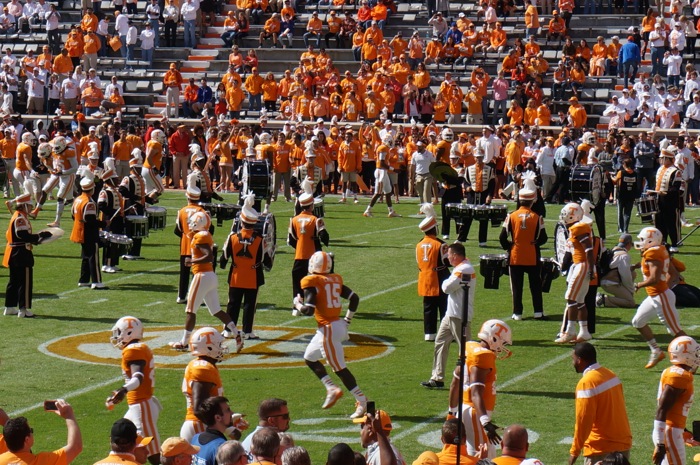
(19, 437)
(376, 428)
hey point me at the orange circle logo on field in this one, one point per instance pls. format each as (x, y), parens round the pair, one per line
(278, 347)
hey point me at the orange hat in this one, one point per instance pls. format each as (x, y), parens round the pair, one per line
(555, 12)
(573, 99)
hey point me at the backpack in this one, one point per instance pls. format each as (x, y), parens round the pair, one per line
(605, 259)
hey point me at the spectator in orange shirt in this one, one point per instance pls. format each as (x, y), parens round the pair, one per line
(313, 30)
(190, 98)
(89, 21)
(433, 52)
(515, 113)
(379, 14)
(369, 51)
(532, 19)
(364, 15)
(334, 26)
(253, 84)
(271, 30)
(557, 28)
(270, 90)
(577, 113)
(578, 78)
(497, 39)
(63, 65)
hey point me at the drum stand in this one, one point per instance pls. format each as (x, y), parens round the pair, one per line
(697, 226)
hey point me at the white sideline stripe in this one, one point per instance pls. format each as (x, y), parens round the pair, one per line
(153, 304)
(98, 301)
(510, 382)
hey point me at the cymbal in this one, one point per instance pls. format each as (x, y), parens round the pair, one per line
(443, 172)
(56, 234)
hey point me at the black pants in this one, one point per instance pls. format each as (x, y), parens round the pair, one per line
(668, 221)
(434, 309)
(687, 295)
(170, 33)
(18, 293)
(483, 230)
(299, 270)
(453, 195)
(561, 185)
(184, 283)
(90, 265)
(249, 299)
(517, 281)
(368, 173)
(590, 306)
(599, 213)
(624, 214)
(136, 247)
(648, 174)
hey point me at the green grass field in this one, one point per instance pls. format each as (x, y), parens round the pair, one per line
(376, 258)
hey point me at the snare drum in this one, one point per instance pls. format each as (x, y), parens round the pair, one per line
(104, 238)
(587, 183)
(267, 228)
(319, 208)
(481, 212)
(136, 226)
(460, 212)
(157, 218)
(226, 212)
(121, 242)
(492, 267)
(498, 214)
(549, 271)
(211, 208)
(647, 206)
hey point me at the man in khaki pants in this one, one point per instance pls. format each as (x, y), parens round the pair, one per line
(179, 148)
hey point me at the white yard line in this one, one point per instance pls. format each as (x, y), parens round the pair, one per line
(153, 304)
(98, 301)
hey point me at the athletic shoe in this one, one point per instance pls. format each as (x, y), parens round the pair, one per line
(539, 316)
(600, 300)
(179, 346)
(10, 311)
(516, 317)
(482, 244)
(250, 335)
(99, 286)
(566, 338)
(393, 214)
(116, 268)
(128, 257)
(655, 357)
(356, 201)
(430, 337)
(55, 224)
(228, 334)
(180, 301)
(673, 249)
(83, 284)
(333, 395)
(25, 314)
(343, 200)
(367, 214)
(583, 337)
(445, 237)
(34, 213)
(433, 384)
(360, 410)
(109, 269)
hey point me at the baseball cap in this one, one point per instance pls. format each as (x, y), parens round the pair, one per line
(176, 446)
(427, 458)
(624, 240)
(123, 430)
(384, 417)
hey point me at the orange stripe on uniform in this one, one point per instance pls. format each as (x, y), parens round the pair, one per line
(147, 426)
(578, 280)
(673, 456)
(192, 295)
(331, 356)
(669, 316)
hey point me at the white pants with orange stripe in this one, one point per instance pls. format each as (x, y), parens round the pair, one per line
(145, 416)
(675, 447)
(203, 288)
(65, 185)
(663, 306)
(475, 433)
(152, 179)
(190, 428)
(577, 280)
(328, 343)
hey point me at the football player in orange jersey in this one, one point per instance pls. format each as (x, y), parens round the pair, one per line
(138, 368)
(579, 276)
(479, 397)
(323, 290)
(660, 301)
(674, 401)
(383, 185)
(65, 165)
(182, 230)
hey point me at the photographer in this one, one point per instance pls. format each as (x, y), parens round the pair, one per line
(376, 428)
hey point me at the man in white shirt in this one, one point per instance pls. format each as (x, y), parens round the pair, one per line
(35, 84)
(420, 169)
(188, 11)
(7, 106)
(619, 281)
(132, 35)
(121, 27)
(489, 144)
(153, 13)
(657, 38)
(7, 22)
(102, 33)
(147, 43)
(28, 11)
(673, 60)
(545, 163)
(53, 20)
(70, 91)
(693, 112)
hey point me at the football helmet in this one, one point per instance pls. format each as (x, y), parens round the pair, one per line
(208, 342)
(648, 237)
(265, 138)
(588, 138)
(571, 213)
(158, 136)
(685, 350)
(320, 263)
(497, 335)
(673, 149)
(447, 135)
(60, 144)
(198, 221)
(388, 140)
(44, 150)
(29, 139)
(127, 329)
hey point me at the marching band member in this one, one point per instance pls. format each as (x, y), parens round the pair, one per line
(133, 190)
(452, 189)
(110, 203)
(246, 181)
(64, 167)
(480, 182)
(668, 187)
(86, 232)
(199, 177)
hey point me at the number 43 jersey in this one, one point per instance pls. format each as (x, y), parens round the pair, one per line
(328, 300)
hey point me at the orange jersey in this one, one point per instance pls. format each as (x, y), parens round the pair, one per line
(525, 227)
(24, 157)
(200, 371)
(201, 238)
(156, 154)
(658, 254)
(578, 250)
(430, 253)
(328, 300)
(678, 378)
(134, 352)
(182, 224)
(478, 356)
(304, 228)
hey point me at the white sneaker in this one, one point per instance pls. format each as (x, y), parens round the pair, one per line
(250, 335)
(333, 395)
(104, 268)
(516, 317)
(180, 301)
(445, 237)
(10, 311)
(430, 337)
(565, 338)
(360, 410)
(99, 286)
(25, 314)
(583, 337)
(393, 214)
(367, 214)
(482, 244)
(228, 334)
(83, 284)
(109, 269)
(116, 268)
(356, 201)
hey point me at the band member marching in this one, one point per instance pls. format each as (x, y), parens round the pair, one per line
(199, 177)
(480, 182)
(111, 204)
(133, 189)
(86, 232)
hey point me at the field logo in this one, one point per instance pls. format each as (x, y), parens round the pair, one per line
(278, 347)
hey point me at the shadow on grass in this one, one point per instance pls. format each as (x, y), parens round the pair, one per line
(62, 257)
(106, 321)
(40, 296)
(546, 394)
(384, 316)
(155, 288)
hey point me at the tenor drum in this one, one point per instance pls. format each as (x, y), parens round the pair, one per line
(211, 208)
(121, 242)
(157, 218)
(481, 212)
(259, 178)
(226, 212)
(136, 226)
(550, 271)
(267, 228)
(561, 239)
(460, 212)
(319, 208)
(587, 183)
(492, 267)
(647, 206)
(497, 215)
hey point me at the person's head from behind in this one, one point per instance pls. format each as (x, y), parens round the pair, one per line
(615, 458)
(231, 453)
(515, 441)
(296, 455)
(18, 434)
(584, 356)
(265, 443)
(451, 429)
(341, 454)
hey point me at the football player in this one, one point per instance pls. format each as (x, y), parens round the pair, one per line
(322, 292)
(479, 397)
(151, 166)
(674, 401)
(65, 165)
(182, 230)
(138, 368)
(202, 379)
(660, 301)
(383, 185)
(582, 270)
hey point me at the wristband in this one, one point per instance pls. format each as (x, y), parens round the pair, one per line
(349, 315)
(657, 435)
(484, 420)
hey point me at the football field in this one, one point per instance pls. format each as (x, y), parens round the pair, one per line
(65, 351)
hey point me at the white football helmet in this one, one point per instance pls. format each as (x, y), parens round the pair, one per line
(685, 350)
(388, 140)
(158, 136)
(497, 335)
(60, 144)
(320, 263)
(648, 237)
(265, 138)
(588, 138)
(208, 342)
(447, 135)
(44, 150)
(571, 213)
(198, 221)
(29, 139)
(127, 329)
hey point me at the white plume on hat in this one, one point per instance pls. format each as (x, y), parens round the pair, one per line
(529, 178)
(587, 207)
(136, 153)
(307, 186)
(248, 212)
(250, 151)
(428, 210)
(109, 164)
(195, 149)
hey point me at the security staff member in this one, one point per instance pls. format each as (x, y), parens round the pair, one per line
(431, 256)
(480, 183)
(86, 232)
(111, 205)
(668, 188)
(527, 234)
(133, 189)
(182, 230)
(306, 232)
(19, 259)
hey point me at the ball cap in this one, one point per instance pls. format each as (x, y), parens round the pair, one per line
(624, 239)
(176, 446)
(384, 417)
(124, 430)
(428, 458)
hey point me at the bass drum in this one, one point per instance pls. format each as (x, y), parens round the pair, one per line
(561, 238)
(267, 228)
(587, 183)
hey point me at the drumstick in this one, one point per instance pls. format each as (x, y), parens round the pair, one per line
(115, 214)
